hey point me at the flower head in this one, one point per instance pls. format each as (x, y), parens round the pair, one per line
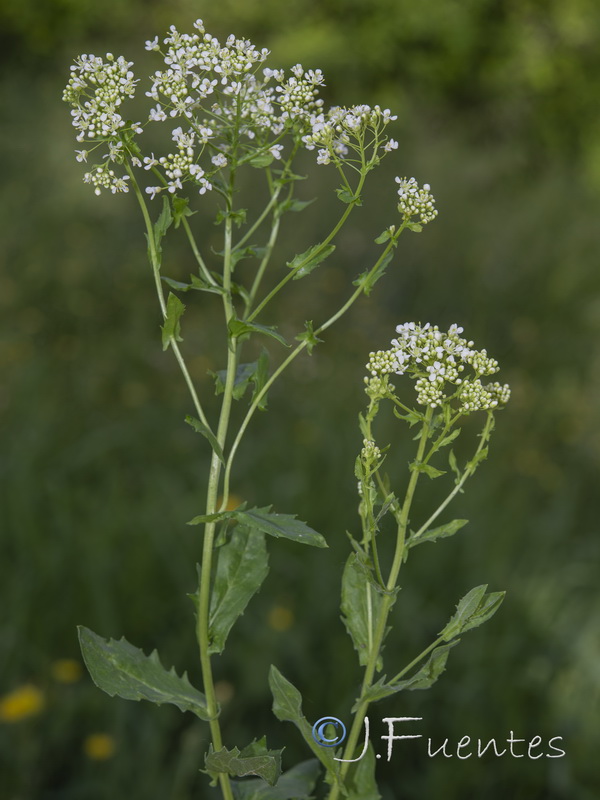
(444, 365)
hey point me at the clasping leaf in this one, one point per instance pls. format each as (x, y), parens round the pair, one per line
(119, 668)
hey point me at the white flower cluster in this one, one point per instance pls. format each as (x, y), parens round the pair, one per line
(416, 200)
(104, 84)
(197, 64)
(96, 90)
(181, 165)
(219, 96)
(435, 359)
(343, 128)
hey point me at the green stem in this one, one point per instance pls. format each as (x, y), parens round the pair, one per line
(210, 527)
(386, 605)
(322, 245)
(213, 484)
(155, 264)
(416, 660)
(259, 396)
(485, 435)
(201, 263)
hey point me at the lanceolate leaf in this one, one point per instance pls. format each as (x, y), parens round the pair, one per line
(297, 783)
(361, 604)
(252, 760)
(304, 263)
(287, 707)
(362, 783)
(162, 224)
(475, 608)
(241, 569)
(199, 427)
(171, 328)
(441, 532)
(239, 329)
(119, 668)
(284, 526)
(425, 677)
(281, 526)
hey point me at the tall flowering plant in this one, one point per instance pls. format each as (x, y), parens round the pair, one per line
(219, 111)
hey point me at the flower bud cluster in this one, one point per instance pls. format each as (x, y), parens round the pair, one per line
(370, 453)
(341, 128)
(415, 200)
(438, 361)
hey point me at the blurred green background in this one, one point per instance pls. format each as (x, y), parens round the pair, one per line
(498, 111)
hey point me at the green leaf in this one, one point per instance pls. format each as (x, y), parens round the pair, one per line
(362, 781)
(119, 668)
(238, 329)
(412, 417)
(218, 516)
(238, 216)
(162, 224)
(200, 427)
(431, 472)
(256, 372)
(260, 161)
(180, 210)
(281, 526)
(449, 438)
(259, 378)
(475, 608)
(243, 375)
(249, 761)
(425, 677)
(442, 532)
(367, 279)
(454, 466)
(241, 569)
(252, 251)
(304, 263)
(287, 707)
(347, 197)
(297, 783)
(360, 606)
(195, 283)
(309, 337)
(172, 327)
(385, 235)
(295, 205)
(414, 226)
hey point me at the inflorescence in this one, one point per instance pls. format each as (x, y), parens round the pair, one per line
(225, 106)
(445, 367)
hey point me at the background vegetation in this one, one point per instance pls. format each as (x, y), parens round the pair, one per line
(498, 110)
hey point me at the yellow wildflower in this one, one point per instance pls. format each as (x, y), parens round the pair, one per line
(99, 746)
(23, 702)
(66, 670)
(280, 618)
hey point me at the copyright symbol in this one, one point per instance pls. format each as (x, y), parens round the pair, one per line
(324, 736)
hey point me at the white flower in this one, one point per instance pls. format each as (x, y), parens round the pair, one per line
(276, 150)
(157, 114)
(81, 155)
(153, 191)
(152, 45)
(219, 160)
(392, 144)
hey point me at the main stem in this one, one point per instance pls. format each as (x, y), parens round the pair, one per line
(209, 530)
(386, 605)
(214, 476)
